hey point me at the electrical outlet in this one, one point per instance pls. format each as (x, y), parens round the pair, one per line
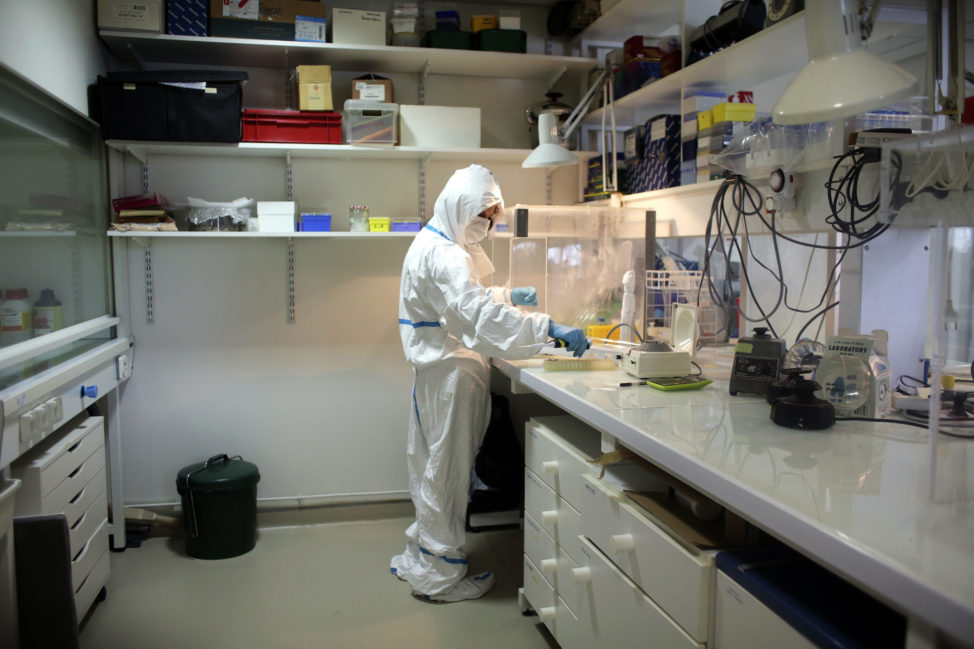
(123, 369)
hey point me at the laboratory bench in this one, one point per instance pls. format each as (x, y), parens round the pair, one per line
(860, 499)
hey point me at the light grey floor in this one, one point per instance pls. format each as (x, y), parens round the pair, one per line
(304, 587)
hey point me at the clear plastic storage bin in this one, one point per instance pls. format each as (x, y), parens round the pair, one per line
(370, 122)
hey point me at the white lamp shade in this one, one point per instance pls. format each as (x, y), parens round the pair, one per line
(842, 79)
(549, 153)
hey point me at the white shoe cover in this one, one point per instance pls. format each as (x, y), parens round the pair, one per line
(466, 588)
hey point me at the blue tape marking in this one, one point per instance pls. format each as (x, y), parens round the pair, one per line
(458, 562)
(430, 227)
(482, 577)
(424, 323)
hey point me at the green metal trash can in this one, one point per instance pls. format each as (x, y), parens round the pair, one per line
(219, 499)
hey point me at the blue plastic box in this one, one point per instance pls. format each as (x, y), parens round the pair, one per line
(315, 222)
(405, 225)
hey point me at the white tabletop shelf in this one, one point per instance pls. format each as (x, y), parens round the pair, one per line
(884, 536)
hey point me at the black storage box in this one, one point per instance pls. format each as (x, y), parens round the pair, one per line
(172, 105)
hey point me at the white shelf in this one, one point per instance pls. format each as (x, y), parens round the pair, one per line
(141, 149)
(629, 17)
(260, 235)
(736, 68)
(245, 52)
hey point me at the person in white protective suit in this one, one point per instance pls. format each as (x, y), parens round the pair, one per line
(449, 324)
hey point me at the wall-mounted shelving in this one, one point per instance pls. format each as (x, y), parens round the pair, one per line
(243, 52)
(140, 150)
(142, 234)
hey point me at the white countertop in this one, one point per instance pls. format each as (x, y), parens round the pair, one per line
(853, 497)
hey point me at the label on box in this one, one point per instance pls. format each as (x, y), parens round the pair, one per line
(658, 130)
(134, 12)
(248, 9)
(370, 91)
(309, 28)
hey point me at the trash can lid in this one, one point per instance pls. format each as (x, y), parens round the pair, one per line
(218, 472)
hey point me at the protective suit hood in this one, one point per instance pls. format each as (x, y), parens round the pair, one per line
(467, 193)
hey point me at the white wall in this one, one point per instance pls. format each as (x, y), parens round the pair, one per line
(28, 31)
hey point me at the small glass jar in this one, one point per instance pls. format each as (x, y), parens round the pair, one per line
(358, 218)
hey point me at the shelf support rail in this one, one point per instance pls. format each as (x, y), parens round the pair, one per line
(421, 89)
(288, 177)
(290, 280)
(147, 257)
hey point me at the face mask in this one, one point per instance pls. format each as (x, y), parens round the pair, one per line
(476, 229)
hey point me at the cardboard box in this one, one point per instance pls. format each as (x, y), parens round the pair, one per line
(355, 27)
(483, 22)
(267, 19)
(373, 88)
(734, 112)
(439, 126)
(186, 17)
(663, 151)
(314, 87)
(143, 15)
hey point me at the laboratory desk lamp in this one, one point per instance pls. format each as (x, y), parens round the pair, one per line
(549, 152)
(841, 79)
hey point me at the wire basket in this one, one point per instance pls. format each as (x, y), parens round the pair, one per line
(664, 288)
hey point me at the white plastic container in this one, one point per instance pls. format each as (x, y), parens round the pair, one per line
(275, 216)
(15, 317)
(47, 316)
(439, 126)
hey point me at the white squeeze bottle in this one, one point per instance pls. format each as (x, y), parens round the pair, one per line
(47, 313)
(15, 312)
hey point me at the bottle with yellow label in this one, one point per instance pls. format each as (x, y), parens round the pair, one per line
(47, 313)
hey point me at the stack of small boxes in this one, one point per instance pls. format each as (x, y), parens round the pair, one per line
(716, 129)
(694, 102)
(658, 167)
(644, 60)
(595, 189)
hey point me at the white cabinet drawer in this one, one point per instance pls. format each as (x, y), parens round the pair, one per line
(743, 622)
(540, 501)
(84, 560)
(552, 610)
(75, 505)
(47, 466)
(87, 590)
(618, 613)
(90, 475)
(676, 576)
(540, 548)
(559, 450)
(553, 514)
(539, 592)
(81, 528)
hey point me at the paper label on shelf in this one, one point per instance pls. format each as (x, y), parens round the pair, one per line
(248, 9)
(370, 91)
(309, 28)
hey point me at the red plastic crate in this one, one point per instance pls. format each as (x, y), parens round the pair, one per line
(311, 127)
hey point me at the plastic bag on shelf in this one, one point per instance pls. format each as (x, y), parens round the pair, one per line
(764, 146)
(209, 216)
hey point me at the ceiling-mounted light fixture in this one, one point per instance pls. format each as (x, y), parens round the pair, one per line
(842, 78)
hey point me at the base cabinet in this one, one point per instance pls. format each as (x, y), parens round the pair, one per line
(65, 474)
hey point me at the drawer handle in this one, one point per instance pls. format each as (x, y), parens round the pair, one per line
(81, 552)
(620, 543)
(550, 467)
(581, 576)
(78, 522)
(77, 496)
(76, 471)
(549, 517)
(549, 566)
(547, 614)
(74, 447)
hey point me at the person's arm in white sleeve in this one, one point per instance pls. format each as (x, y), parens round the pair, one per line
(490, 327)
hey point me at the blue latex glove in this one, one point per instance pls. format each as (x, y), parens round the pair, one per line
(524, 295)
(575, 340)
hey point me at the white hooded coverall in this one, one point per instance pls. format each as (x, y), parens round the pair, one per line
(449, 324)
